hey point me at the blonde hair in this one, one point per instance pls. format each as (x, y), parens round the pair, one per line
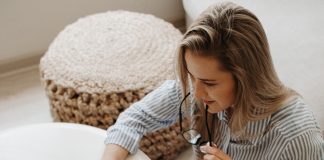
(235, 36)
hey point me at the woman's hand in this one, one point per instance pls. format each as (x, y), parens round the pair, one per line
(213, 153)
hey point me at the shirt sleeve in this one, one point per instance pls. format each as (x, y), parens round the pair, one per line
(156, 110)
(306, 146)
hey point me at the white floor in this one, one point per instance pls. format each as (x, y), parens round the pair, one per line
(22, 99)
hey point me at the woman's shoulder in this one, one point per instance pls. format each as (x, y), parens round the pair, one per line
(294, 119)
(295, 130)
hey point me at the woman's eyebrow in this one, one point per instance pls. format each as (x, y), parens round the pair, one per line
(202, 79)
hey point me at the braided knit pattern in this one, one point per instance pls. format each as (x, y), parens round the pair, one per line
(112, 52)
(101, 64)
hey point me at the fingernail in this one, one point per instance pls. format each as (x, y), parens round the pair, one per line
(202, 149)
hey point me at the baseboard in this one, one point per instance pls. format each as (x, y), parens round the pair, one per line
(15, 66)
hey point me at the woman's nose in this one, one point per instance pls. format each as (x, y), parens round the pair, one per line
(198, 90)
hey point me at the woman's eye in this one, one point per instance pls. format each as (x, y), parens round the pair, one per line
(209, 84)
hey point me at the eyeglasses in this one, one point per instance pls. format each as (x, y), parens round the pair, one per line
(191, 135)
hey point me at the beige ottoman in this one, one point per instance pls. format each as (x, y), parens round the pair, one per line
(101, 64)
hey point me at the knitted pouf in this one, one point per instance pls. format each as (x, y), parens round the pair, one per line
(101, 64)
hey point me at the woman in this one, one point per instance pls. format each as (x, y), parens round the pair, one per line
(238, 105)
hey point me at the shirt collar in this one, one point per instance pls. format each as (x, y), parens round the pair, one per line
(222, 115)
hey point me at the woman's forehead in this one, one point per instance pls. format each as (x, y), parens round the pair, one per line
(203, 67)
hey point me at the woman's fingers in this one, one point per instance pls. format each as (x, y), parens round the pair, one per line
(210, 157)
(214, 153)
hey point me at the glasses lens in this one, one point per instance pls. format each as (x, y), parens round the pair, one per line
(192, 136)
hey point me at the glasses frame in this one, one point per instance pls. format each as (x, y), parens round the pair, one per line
(206, 123)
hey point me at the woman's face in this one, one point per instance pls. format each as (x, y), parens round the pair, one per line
(212, 85)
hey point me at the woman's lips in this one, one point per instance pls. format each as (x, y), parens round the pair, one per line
(208, 102)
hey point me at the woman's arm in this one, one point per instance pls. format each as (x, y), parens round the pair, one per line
(114, 152)
(156, 110)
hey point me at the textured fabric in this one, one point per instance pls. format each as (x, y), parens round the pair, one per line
(115, 51)
(290, 133)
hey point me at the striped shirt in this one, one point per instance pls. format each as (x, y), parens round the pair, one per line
(294, 132)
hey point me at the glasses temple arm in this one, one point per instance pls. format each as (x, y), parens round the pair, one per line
(208, 130)
(180, 113)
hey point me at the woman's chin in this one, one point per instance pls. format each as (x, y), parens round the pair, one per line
(212, 112)
(214, 108)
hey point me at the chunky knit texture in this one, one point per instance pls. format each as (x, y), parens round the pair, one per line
(112, 52)
(101, 64)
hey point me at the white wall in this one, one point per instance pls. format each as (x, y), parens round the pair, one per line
(28, 27)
